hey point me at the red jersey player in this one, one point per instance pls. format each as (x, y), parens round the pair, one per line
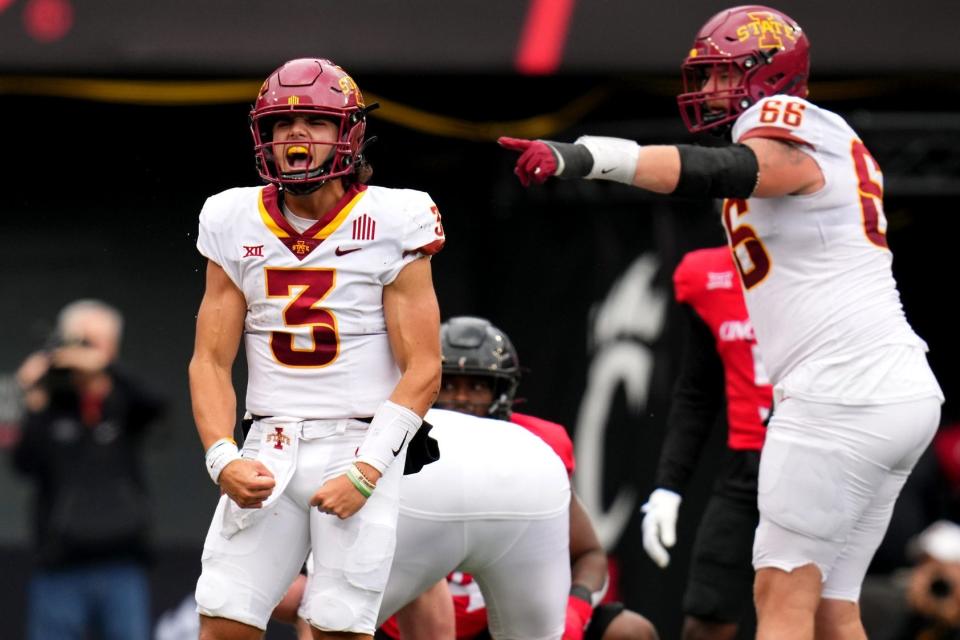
(480, 377)
(720, 362)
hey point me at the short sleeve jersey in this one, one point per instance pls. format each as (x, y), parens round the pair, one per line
(816, 268)
(315, 334)
(552, 433)
(707, 280)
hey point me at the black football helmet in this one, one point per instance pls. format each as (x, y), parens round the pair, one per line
(474, 347)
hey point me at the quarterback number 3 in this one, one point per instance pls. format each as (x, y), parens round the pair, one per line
(307, 287)
(438, 229)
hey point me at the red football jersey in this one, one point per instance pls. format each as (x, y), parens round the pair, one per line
(707, 280)
(469, 609)
(551, 433)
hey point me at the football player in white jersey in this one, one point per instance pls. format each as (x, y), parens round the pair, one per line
(856, 402)
(328, 282)
(481, 375)
(467, 508)
(496, 504)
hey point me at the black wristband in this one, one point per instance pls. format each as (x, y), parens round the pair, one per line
(582, 593)
(577, 159)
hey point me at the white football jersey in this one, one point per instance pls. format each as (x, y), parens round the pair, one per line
(315, 334)
(521, 478)
(816, 269)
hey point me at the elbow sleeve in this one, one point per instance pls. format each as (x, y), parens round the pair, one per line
(718, 172)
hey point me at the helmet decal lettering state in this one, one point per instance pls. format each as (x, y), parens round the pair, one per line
(312, 87)
(732, 65)
(348, 86)
(767, 28)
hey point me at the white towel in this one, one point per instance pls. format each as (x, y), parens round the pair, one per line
(279, 439)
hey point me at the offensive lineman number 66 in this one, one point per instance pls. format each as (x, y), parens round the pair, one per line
(756, 262)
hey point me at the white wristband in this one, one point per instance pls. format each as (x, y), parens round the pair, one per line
(613, 158)
(389, 433)
(219, 455)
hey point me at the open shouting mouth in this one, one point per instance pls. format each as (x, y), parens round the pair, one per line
(298, 157)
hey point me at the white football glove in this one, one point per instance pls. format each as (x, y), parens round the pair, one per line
(660, 524)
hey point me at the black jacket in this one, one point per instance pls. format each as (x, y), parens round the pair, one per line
(90, 502)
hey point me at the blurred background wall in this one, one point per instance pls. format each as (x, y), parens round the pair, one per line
(120, 118)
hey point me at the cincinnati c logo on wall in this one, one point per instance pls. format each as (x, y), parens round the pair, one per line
(769, 30)
(625, 328)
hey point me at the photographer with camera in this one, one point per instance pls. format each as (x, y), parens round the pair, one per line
(933, 584)
(80, 445)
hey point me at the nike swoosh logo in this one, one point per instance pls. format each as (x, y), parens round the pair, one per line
(343, 252)
(606, 171)
(396, 451)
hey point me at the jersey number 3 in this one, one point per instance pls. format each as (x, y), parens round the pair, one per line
(307, 287)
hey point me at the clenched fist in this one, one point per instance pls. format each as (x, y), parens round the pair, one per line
(247, 482)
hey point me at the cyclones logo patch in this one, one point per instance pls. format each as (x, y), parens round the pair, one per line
(278, 438)
(768, 28)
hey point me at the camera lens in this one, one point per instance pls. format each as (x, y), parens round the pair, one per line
(940, 588)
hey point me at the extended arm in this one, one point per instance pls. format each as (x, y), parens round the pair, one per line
(761, 167)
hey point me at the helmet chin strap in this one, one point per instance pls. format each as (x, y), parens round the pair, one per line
(303, 188)
(500, 407)
(720, 131)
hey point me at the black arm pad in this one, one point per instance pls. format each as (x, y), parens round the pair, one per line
(718, 172)
(577, 159)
